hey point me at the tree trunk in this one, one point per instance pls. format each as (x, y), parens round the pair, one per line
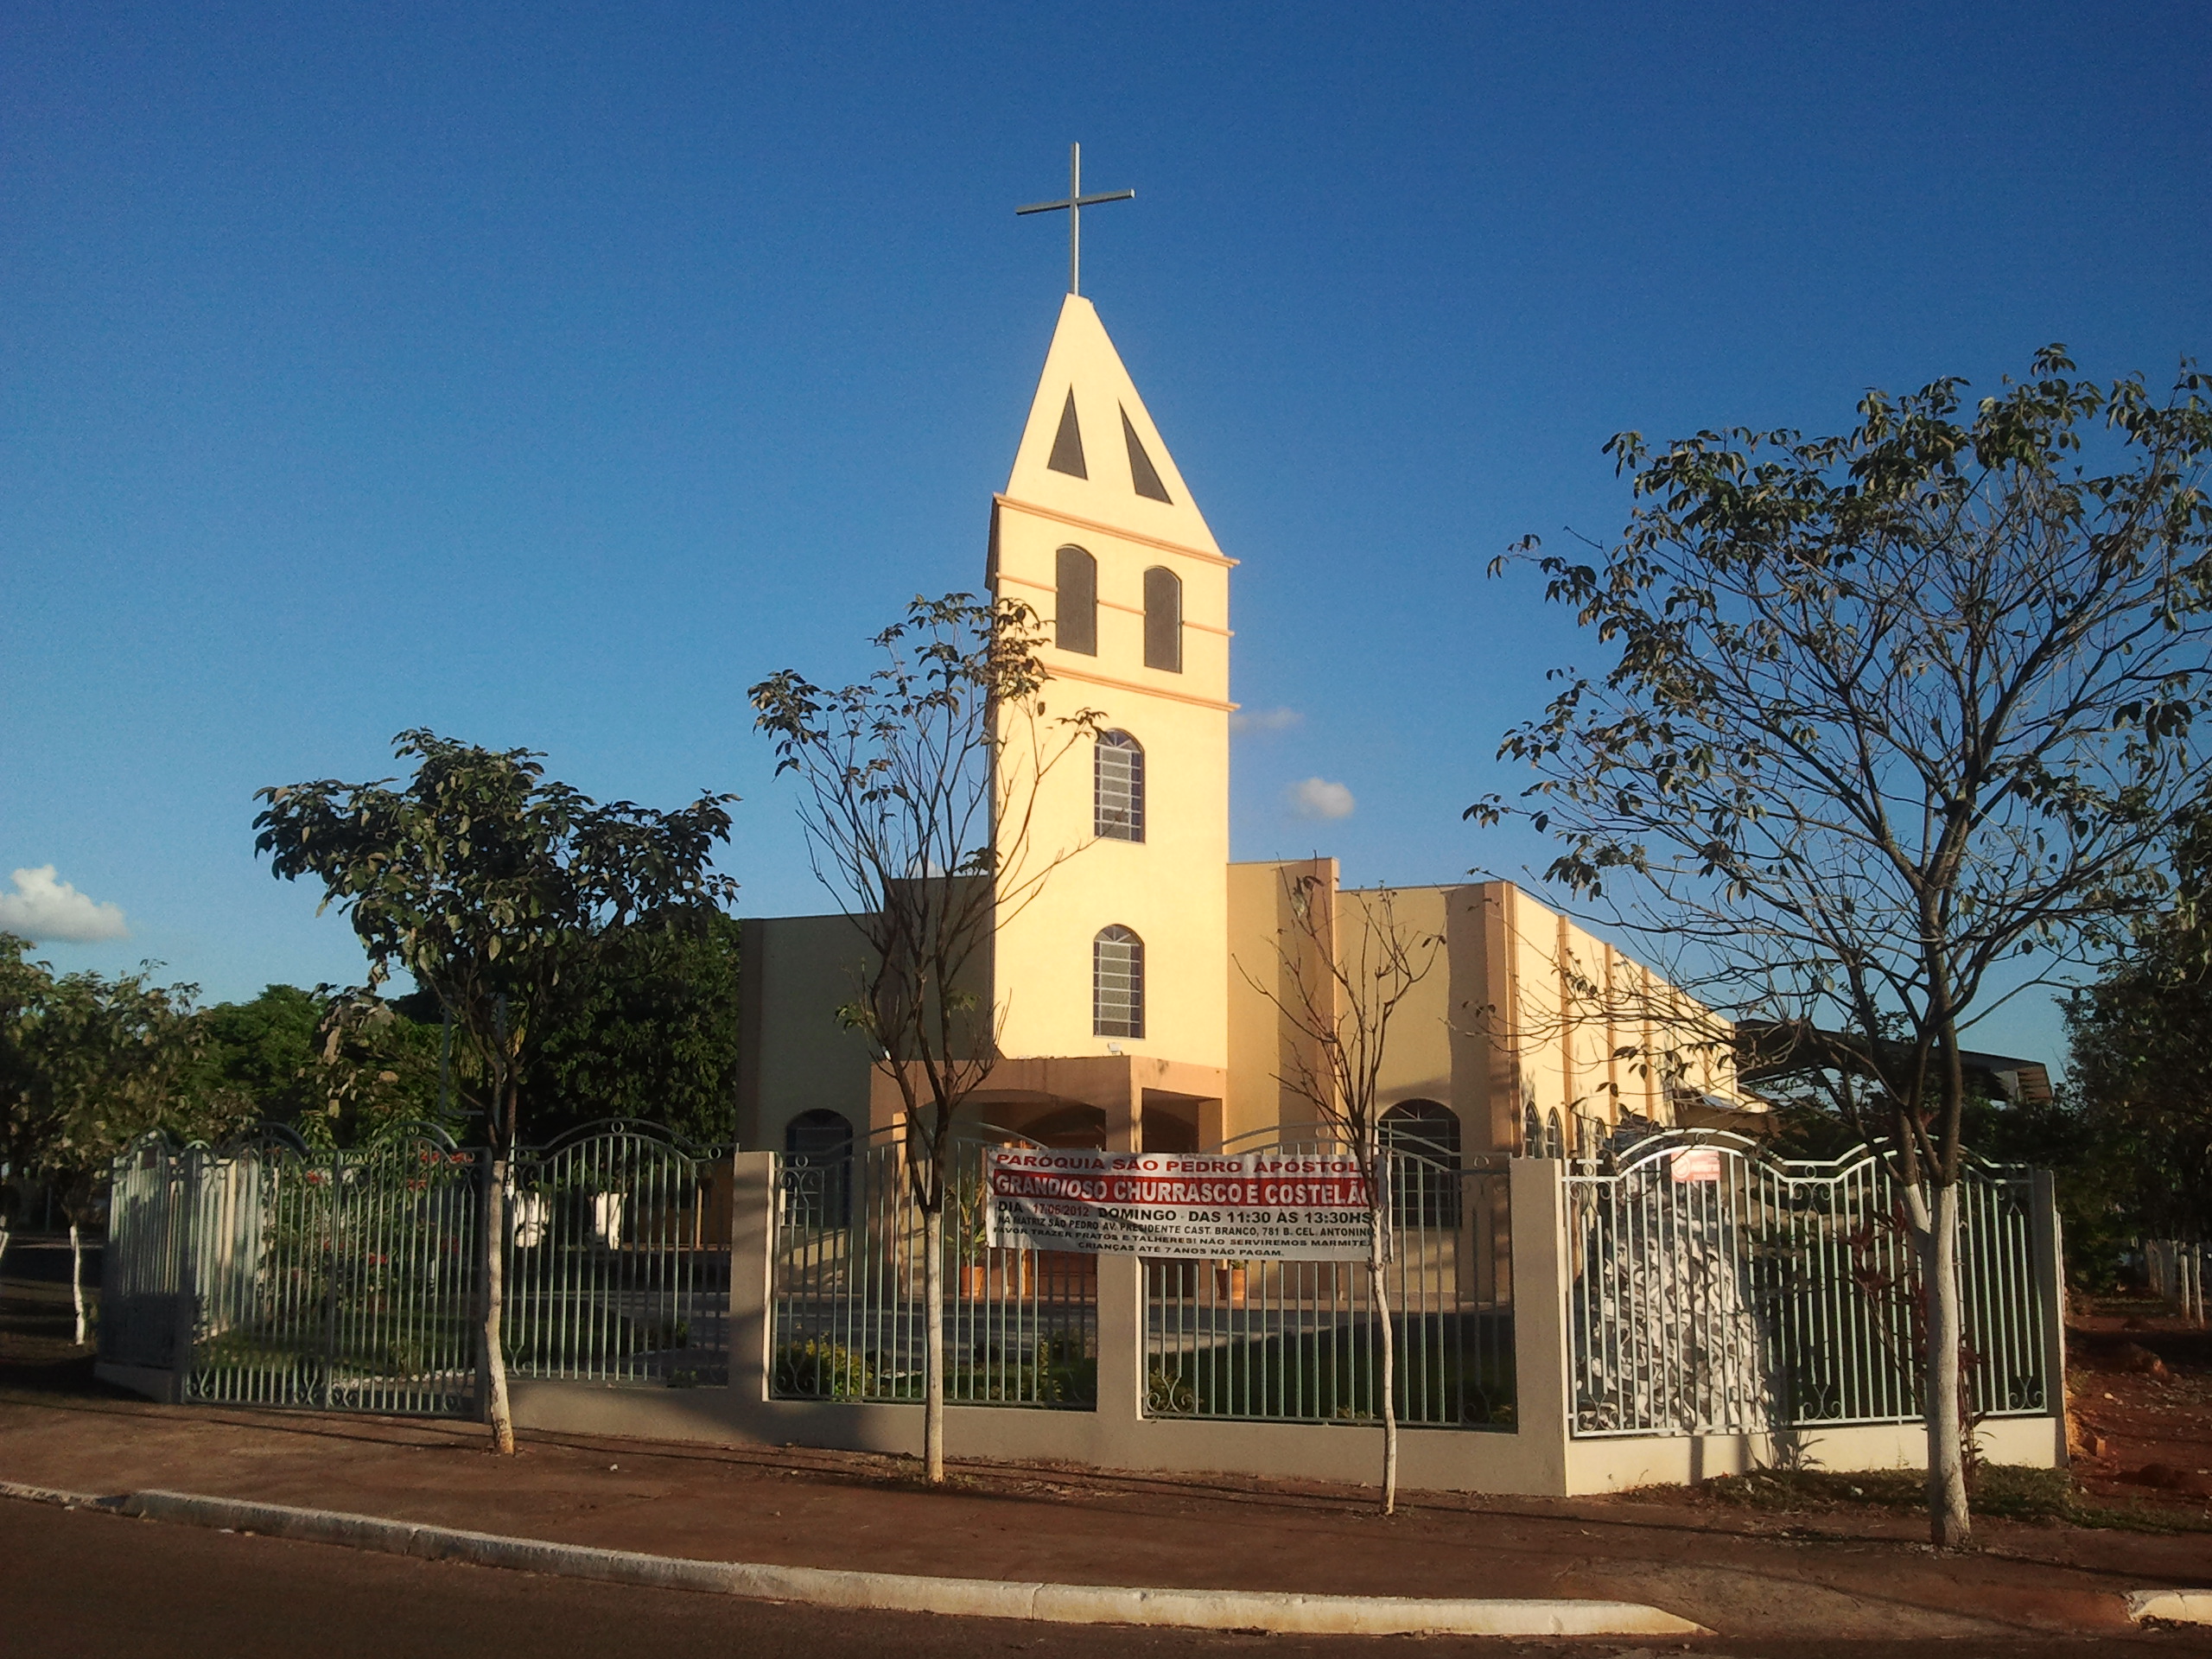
(933, 1340)
(1379, 1292)
(1949, 1524)
(77, 1277)
(491, 1349)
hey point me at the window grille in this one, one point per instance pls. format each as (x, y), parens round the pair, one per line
(1116, 983)
(1120, 793)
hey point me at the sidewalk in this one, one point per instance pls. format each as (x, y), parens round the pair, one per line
(1837, 1578)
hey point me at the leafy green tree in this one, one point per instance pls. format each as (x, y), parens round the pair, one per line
(99, 1062)
(644, 1028)
(481, 879)
(920, 788)
(2140, 1059)
(335, 1065)
(1897, 720)
(23, 983)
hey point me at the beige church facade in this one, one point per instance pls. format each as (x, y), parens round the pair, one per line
(1127, 990)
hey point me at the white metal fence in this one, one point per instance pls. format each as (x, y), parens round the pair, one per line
(266, 1273)
(1300, 1341)
(1020, 1326)
(1716, 1290)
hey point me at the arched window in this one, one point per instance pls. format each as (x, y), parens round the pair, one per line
(1554, 1138)
(1075, 604)
(1163, 620)
(1116, 983)
(1425, 1174)
(1119, 797)
(818, 1169)
(1532, 1133)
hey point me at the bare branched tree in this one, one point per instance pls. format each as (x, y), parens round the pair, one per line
(920, 793)
(1337, 989)
(1896, 729)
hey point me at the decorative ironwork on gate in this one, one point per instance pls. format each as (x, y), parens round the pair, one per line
(269, 1273)
(1020, 1326)
(1300, 1342)
(1715, 1289)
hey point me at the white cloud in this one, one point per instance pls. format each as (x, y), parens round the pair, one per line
(43, 908)
(1317, 798)
(1265, 720)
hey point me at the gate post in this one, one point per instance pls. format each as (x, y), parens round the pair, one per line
(1541, 1277)
(185, 1241)
(2047, 1253)
(751, 1271)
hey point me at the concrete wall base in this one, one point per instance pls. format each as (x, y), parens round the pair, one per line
(1431, 1460)
(155, 1384)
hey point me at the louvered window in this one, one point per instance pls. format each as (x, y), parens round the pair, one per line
(1163, 620)
(1075, 605)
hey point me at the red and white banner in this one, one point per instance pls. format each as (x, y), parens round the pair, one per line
(1252, 1205)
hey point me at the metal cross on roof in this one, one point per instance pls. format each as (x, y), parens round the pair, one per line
(1076, 202)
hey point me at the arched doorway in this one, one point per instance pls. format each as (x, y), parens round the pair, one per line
(819, 1144)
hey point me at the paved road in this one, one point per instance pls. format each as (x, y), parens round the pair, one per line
(80, 1583)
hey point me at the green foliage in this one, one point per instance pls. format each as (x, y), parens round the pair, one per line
(486, 883)
(2140, 1062)
(643, 1026)
(818, 1368)
(90, 1064)
(1890, 711)
(336, 1066)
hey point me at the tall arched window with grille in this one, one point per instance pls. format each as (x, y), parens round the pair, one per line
(1119, 796)
(1116, 983)
(1075, 602)
(1425, 1177)
(1163, 620)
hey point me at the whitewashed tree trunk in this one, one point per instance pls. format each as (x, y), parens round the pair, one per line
(933, 1351)
(77, 1277)
(1379, 1290)
(1950, 1525)
(491, 1355)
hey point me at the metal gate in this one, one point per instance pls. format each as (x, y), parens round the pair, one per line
(1718, 1290)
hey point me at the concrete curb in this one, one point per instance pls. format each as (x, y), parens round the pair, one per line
(1274, 1611)
(2175, 1606)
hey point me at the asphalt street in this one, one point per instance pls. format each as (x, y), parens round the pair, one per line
(79, 1582)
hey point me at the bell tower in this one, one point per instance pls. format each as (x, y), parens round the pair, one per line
(1124, 948)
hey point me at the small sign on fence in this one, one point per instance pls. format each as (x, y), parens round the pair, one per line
(1252, 1205)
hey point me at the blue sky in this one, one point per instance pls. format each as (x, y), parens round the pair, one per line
(546, 375)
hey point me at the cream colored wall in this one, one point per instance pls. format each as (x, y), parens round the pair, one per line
(1172, 888)
(1259, 1055)
(795, 973)
(1566, 1027)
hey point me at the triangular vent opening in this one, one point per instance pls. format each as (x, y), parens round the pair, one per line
(1067, 443)
(1142, 473)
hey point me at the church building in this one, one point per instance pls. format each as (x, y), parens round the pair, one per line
(1127, 991)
